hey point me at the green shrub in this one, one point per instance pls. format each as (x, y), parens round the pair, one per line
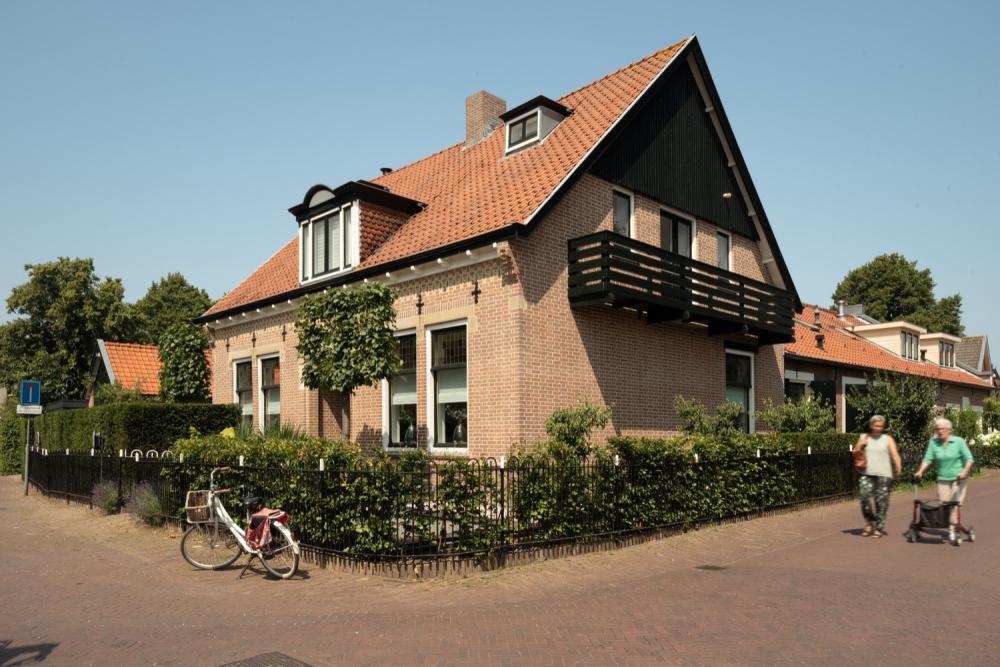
(129, 426)
(573, 426)
(965, 423)
(723, 424)
(144, 505)
(810, 415)
(11, 445)
(105, 497)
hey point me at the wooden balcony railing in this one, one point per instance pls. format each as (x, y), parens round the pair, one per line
(608, 268)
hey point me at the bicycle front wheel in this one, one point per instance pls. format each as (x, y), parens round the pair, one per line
(209, 546)
(279, 557)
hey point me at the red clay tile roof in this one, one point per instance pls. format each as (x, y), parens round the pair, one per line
(841, 346)
(135, 366)
(476, 190)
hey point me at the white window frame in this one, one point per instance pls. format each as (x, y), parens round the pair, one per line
(803, 378)
(751, 399)
(430, 398)
(236, 393)
(844, 381)
(537, 112)
(386, 407)
(260, 387)
(306, 259)
(675, 213)
(729, 255)
(631, 210)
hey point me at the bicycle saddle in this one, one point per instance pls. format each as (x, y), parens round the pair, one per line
(250, 502)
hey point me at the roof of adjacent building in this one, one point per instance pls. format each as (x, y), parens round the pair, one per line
(969, 352)
(471, 191)
(843, 347)
(133, 366)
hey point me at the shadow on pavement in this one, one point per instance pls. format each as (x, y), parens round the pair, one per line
(11, 656)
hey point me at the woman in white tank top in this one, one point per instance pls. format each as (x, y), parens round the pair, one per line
(873, 484)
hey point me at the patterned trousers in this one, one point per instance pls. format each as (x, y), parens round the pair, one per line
(874, 488)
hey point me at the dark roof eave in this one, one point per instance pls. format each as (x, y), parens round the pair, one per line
(514, 229)
(533, 103)
(363, 190)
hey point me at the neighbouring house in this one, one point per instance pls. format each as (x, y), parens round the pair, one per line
(836, 352)
(972, 353)
(608, 245)
(129, 365)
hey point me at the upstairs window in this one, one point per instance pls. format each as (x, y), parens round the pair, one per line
(522, 130)
(909, 345)
(681, 237)
(725, 243)
(622, 213)
(946, 352)
(327, 243)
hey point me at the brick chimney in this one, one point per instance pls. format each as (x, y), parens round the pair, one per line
(482, 114)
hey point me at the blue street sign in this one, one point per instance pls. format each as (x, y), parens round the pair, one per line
(31, 392)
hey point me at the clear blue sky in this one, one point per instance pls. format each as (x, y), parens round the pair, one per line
(173, 136)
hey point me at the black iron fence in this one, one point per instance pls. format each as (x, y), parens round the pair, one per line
(391, 510)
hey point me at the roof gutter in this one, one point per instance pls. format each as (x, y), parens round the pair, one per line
(511, 231)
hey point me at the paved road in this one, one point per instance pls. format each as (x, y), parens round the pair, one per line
(81, 589)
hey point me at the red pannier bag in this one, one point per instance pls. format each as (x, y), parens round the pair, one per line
(258, 533)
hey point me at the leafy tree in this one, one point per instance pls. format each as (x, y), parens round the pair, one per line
(892, 288)
(169, 301)
(991, 413)
(907, 403)
(810, 415)
(724, 423)
(184, 372)
(347, 339)
(62, 310)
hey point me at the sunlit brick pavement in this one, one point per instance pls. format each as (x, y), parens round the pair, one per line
(80, 589)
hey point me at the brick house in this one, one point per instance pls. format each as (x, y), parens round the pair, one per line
(607, 246)
(839, 351)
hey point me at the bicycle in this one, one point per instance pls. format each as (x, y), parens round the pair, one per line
(215, 541)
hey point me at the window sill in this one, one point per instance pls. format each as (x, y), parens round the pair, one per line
(326, 276)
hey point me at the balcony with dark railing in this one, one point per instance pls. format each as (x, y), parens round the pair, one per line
(610, 269)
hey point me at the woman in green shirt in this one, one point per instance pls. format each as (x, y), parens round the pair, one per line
(953, 460)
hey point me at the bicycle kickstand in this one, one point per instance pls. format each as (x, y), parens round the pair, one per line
(247, 566)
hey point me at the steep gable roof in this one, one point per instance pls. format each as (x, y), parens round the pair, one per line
(478, 193)
(843, 347)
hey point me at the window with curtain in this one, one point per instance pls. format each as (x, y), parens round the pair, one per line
(270, 389)
(451, 390)
(244, 392)
(403, 396)
(622, 213)
(739, 382)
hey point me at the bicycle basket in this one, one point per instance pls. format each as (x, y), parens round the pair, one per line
(197, 508)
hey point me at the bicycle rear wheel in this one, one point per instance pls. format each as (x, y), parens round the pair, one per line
(279, 557)
(209, 546)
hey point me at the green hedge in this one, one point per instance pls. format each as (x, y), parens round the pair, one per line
(11, 445)
(131, 426)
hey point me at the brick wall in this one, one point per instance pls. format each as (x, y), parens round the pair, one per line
(528, 351)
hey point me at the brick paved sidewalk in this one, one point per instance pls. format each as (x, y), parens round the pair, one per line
(81, 589)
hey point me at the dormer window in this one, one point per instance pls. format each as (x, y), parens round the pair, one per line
(946, 354)
(523, 130)
(327, 243)
(529, 123)
(909, 345)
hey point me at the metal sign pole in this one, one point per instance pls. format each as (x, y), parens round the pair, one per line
(27, 453)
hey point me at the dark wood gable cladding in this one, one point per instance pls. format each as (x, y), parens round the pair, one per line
(670, 151)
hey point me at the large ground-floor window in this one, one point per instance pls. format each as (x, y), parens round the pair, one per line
(270, 389)
(244, 391)
(403, 395)
(739, 385)
(450, 386)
